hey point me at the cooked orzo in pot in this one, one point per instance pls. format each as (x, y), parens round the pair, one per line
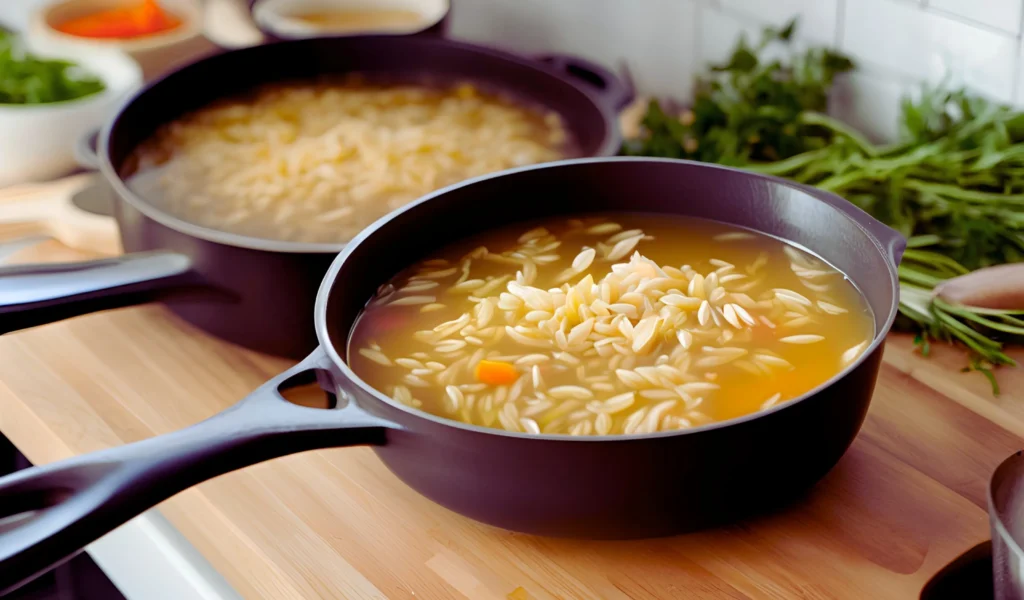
(318, 162)
(607, 325)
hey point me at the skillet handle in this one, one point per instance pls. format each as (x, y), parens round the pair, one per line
(34, 294)
(892, 241)
(82, 498)
(617, 92)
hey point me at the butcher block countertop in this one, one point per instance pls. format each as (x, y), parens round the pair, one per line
(906, 499)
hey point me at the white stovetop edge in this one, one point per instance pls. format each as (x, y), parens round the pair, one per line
(148, 559)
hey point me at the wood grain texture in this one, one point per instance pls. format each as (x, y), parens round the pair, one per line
(907, 498)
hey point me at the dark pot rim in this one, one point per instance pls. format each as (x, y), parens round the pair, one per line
(327, 344)
(1002, 478)
(610, 146)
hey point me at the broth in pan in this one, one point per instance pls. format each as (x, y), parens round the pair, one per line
(617, 324)
(318, 162)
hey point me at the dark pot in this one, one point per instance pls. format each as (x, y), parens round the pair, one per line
(1006, 511)
(255, 292)
(612, 487)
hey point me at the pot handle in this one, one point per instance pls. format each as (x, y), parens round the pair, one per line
(617, 92)
(87, 150)
(35, 294)
(80, 499)
(892, 241)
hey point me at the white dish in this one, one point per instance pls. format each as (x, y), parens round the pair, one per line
(37, 141)
(278, 17)
(156, 53)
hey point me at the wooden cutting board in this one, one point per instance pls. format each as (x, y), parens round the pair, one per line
(907, 498)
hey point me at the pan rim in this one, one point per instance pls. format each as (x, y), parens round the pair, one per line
(610, 145)
(328, 346)
(996, 512)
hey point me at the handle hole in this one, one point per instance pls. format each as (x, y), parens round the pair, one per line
(17, 520)
(305, 389)
(587, 75)
(96, 198)
(23, 507)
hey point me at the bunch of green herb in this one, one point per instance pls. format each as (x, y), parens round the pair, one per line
(958, 176)
(28, 79)
(981, 330)
(955, 187)
(748, 109)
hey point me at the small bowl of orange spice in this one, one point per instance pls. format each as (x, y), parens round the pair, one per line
(158, 34)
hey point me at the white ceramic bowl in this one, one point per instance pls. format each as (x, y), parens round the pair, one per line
(156, 53)
(37, 141)
(278, 17)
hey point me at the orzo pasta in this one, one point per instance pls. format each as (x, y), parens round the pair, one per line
(609, 325)
(318, 162)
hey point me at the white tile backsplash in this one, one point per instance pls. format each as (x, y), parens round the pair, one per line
(718, 35)
(896, 43)
(818, 18)
(656, 42)
(659, 52)
(870, 102)
(666, 42)
(719, 32)
(1000, 14)
(929, 45)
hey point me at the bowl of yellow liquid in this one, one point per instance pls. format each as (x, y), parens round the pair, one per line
(292, 19)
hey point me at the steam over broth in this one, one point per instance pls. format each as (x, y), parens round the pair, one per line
(610, 324)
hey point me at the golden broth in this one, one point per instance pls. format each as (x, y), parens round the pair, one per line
(349, 21)
(625, 323)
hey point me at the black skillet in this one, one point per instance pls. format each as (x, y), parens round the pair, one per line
(600, 487)
(254, 292)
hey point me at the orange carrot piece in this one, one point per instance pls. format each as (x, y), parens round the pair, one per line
(145, 18)
(495, 372)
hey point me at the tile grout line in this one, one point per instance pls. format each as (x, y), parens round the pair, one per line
(945, 14)
(751, 20)
(739, 15)
(840, 24)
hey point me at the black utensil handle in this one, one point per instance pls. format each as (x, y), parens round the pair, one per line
(82, 498)
(616, 91)
(34, 294)
(86, 150)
